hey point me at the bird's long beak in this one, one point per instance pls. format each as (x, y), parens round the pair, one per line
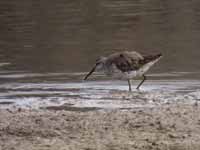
(93, 69)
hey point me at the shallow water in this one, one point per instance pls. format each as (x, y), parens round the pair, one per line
(70, 92)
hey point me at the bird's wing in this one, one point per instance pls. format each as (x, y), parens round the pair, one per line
(126, 61)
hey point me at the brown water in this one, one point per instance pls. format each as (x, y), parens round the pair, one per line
(51, 44)
(68, 35)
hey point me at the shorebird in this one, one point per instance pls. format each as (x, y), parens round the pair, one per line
(125, 65)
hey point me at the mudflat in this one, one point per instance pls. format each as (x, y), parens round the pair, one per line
(174, 126)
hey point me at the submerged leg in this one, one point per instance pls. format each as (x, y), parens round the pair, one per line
(144, 78)
(129, 84)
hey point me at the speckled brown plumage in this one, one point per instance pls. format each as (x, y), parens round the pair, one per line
(130, 61)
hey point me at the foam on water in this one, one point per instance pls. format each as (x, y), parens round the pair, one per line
(101, 94)
(50, 90)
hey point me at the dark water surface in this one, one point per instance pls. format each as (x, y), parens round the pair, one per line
(51, 44)
(68, 35)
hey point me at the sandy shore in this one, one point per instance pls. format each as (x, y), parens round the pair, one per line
(166, 127)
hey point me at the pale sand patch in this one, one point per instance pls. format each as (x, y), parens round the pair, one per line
(166, 127)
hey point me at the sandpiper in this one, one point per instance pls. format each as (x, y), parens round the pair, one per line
(125, 65)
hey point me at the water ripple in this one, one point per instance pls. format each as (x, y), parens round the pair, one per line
(98, 94)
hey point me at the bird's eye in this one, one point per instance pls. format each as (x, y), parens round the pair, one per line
(98, 59)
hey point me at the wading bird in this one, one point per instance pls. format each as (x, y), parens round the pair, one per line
(125, 65)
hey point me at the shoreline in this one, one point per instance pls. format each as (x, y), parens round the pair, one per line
(168, 126)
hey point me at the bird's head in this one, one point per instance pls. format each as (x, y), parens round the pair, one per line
(99, 66)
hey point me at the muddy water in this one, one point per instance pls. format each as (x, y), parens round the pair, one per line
(50, 46)
(68, 35)
(66, 91)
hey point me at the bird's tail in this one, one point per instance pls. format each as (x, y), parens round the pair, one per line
(149, 58)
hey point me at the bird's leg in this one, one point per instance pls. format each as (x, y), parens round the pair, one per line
(129, 84)
(144, 78)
